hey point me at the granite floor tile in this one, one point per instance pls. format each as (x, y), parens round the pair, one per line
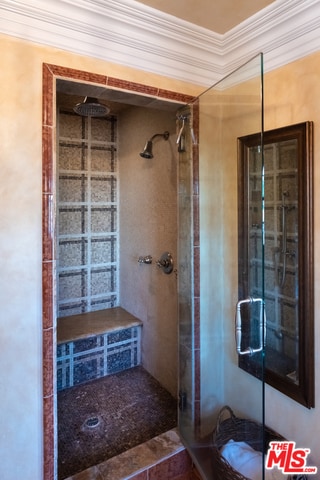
(105, 417)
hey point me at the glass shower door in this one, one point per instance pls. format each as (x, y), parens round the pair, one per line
(221, 297)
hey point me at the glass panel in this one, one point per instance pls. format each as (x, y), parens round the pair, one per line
(210, 377)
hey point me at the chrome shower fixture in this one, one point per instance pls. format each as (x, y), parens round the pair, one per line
(147, 259)
(183, 118)
(91, 107)
(181, 135)
(165, 262)
(147, 151)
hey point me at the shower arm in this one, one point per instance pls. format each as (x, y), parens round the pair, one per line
(165, 135)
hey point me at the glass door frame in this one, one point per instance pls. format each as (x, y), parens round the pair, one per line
(199, 409)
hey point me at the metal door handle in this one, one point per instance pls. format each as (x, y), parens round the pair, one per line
(262, 324)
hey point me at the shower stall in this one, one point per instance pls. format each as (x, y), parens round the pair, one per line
(115, 207)
(115, 311)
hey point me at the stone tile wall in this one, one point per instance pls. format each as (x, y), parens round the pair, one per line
(87, 214)
(86, 359)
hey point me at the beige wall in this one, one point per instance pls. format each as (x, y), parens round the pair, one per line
(148, 226)
(20, 242)
(292, 95)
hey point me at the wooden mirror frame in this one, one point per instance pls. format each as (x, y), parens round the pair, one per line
(303, 391)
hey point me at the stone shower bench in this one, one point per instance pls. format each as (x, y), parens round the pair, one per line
(95, 344)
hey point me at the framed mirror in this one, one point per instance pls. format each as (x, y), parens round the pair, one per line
(275, 213)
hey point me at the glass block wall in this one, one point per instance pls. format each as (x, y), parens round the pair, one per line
(87, 209)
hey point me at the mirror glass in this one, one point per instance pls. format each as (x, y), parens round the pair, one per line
(287, 231)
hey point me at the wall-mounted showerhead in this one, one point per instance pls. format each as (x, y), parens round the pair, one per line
(91, 107)
(147, 151)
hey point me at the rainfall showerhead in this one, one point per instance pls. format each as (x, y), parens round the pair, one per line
(91, 107)
(147, 151)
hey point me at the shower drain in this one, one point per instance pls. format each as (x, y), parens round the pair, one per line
(91, 423)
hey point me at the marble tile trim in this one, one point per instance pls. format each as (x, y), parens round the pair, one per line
(49, 75)
(73, 74)
(163, 456)
(49, 420)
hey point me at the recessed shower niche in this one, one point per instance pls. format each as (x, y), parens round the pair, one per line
(113, 207)
(123, 207)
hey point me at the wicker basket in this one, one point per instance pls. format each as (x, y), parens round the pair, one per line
(239, 430)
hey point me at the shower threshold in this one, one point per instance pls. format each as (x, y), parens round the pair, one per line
(148, 456)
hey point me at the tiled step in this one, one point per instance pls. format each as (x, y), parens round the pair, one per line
(162, 457)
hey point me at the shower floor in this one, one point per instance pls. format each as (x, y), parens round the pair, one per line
(105, 417)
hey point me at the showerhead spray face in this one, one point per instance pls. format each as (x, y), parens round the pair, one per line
(91, 107)
(147, 151)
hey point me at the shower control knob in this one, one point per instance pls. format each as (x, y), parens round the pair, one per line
(166, 262)
(147, 259)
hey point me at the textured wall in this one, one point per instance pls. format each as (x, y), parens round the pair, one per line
(148, 226)
(292, 96)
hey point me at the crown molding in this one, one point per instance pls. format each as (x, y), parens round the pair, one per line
(129, 33)
(284, 31)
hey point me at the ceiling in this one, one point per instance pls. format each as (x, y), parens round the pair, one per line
(219, 16)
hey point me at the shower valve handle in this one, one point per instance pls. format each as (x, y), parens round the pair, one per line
(166, 262)
(147, 259)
